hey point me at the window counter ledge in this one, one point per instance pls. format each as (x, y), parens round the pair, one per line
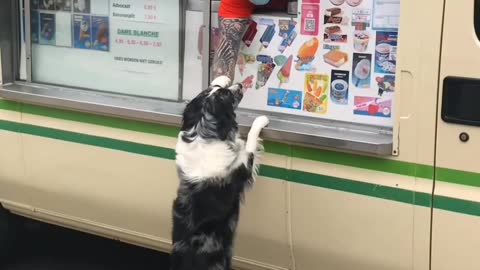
(310, 132)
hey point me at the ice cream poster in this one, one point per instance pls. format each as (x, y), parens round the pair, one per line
(250, 33)
(100, 30)
(287, 33)
(372, 106)
(316, 93)
(47, 28)
(283, 74)
(362, 70)
(82, 32)
(339, 87)
(361, 17)
(265, 69)
(268, 34)
(35, 26)
(386, 52)
(283, 98)
(335, 15)
(306, 55)
(385, 84)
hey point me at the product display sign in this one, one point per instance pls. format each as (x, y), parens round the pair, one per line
(122, 46)
(336, 61)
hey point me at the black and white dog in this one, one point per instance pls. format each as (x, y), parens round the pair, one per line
(215, 167)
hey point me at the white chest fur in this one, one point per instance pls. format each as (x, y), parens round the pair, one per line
(202, 159)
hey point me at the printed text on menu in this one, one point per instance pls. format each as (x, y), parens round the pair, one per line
(140, 11)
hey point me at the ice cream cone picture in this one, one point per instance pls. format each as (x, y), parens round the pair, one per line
(283, 74)
(265, 69)
(306, 54)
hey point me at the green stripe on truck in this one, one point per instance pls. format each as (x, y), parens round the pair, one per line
(300, 177)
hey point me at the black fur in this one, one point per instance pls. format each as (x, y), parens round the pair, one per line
(206, 211)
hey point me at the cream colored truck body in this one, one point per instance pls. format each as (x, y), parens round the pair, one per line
(310, 208)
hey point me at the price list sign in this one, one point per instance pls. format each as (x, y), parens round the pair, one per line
(139, 11)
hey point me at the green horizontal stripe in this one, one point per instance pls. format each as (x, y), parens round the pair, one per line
(458, 177)
(317, 180)
(137, 148)
(361, 188)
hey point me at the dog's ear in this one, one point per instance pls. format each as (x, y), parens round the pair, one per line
(193, 111)
(220, 106)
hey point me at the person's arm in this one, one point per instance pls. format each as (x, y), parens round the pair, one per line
(234, 17)
(225, 59)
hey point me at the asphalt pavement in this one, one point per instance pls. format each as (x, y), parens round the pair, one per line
(46, 247)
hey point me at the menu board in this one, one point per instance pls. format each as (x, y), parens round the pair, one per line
(123, 46)
(336, 61)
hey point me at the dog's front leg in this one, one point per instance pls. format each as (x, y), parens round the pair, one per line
(254, 133)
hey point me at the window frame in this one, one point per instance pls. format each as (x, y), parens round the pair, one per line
(308, 131)
(476, 18)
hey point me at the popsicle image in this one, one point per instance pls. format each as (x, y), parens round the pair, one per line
(267, 36)
(247, 83)
(307, 52)
(283, 74)
(250, 33)
(287, 33)
(241, 63)
(264, 72)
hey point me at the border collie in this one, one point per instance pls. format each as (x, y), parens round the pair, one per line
(215, 167)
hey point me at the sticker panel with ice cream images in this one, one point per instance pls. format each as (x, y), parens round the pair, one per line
(333, 74)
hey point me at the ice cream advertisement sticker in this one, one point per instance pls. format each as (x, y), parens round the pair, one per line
(100, 35)
(385, 84)
(362, 69)
(339, 87)
(290, 99)
(372, 106)
(386, 52)
(316, 93)
(47, 28)
(82, 32)
(265, 69)
(287, 33)
(306, 55)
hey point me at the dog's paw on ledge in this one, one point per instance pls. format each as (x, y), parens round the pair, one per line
(260, 122)
(221, 81)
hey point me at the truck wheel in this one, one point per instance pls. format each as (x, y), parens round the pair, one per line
(7, 233)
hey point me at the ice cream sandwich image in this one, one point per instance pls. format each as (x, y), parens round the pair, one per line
(335, 58)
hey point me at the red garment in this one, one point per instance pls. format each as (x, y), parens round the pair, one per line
(244, 8)
(235, 9)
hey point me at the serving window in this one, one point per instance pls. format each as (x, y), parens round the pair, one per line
(127, 47)
(323, 71)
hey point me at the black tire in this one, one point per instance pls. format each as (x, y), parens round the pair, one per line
(8, 230)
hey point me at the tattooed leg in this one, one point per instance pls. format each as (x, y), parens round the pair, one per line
(225, 59)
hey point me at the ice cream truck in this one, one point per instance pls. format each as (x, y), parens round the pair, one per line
(370, 157)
